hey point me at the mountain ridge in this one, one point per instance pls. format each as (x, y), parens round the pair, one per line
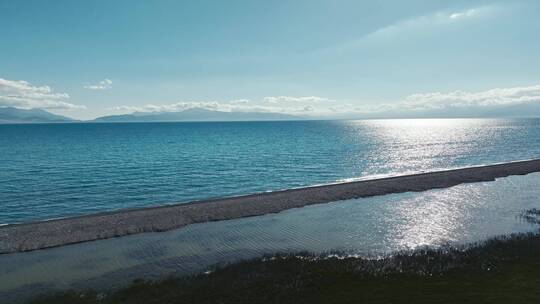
(196, 114)
(16, 115)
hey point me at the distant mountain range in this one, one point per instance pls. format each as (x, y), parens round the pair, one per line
(196, 114)
(15, 115)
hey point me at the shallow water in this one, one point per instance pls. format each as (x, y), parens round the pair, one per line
(60, 170)
(367, 227)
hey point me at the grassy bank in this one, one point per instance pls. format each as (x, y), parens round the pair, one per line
(501, 270)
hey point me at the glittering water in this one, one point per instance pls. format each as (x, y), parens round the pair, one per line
(367, 227)
(49, 171)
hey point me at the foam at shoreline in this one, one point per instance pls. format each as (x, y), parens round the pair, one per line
(38, 235)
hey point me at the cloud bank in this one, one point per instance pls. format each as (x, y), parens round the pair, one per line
(431, 104)
(21, 94)
(490, 99)
(275, 104)
(105, 84)
(292, 99)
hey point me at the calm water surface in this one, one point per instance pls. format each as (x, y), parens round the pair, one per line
(367, 227)
(50, 171)
(59, 170)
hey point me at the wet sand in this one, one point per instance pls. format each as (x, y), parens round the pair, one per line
(39, 235)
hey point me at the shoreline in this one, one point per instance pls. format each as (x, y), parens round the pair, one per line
(58, 232)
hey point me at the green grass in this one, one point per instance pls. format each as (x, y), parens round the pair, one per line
(500, 270)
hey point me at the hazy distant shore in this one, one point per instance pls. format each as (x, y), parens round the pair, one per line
(38, 235)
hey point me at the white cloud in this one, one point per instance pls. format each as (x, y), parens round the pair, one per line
(175, 107)
(430, 20)
(308, 109)
(466, 102)
(239, 101)
(239, 105)
(342, 108)
(458, 100)
(493, 97)
(21, 94)
(292, 99)
(406, 29)
(105, 84)
(464, 14)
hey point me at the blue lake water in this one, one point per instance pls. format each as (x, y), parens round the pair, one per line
(60, 170)
(56, 170)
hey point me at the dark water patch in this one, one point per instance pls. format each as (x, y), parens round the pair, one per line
(89, 263)
(169, 267)
(27, 291)
(532, 216)
(148, 251)
(501, 270)
(27, 261)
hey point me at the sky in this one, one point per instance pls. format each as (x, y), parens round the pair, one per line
(319, 58)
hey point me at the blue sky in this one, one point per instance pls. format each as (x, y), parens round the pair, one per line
(320, 58)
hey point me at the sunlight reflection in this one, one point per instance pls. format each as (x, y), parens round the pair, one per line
(435, 219)
(413, 145)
